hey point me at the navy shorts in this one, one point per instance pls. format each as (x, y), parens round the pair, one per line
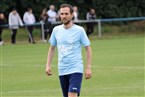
(71, 83)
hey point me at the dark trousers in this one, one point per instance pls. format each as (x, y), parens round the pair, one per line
(51, 29)
(46, 32)
(30, 31)
(90, 29)
(47, 29)
(13, 36)
(1, 34)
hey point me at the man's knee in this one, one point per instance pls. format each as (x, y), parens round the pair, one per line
(72, 94)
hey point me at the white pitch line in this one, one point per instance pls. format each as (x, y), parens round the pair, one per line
(120, 67)
(31, 91)
(57, 90)
(108, 67)
(21, 65)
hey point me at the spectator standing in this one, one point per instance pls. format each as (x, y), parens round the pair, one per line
(29, 20)
(14, 22)
(47, 25)
(52, 16)
(76, 14)
(1, 28)
(91, 15)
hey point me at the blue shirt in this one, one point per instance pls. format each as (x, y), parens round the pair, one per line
(69, 43)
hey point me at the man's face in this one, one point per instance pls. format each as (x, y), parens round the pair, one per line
(52, 7)
(65, 15)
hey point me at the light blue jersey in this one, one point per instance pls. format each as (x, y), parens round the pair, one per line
(69, 43)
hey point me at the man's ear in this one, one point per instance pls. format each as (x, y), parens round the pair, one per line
(72, 15)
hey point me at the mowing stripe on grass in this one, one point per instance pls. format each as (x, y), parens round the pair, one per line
(57, 90)
(111, 67)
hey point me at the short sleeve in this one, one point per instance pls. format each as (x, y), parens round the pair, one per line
(84, 39)
(52, 39)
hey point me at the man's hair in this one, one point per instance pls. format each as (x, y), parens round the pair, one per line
(67, 5)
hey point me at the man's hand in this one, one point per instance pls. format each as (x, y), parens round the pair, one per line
(48, 70)
(88, 73)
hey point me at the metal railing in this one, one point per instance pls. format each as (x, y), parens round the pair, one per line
(99, 21)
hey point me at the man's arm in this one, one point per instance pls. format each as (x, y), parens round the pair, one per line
(88, 72)
(49, 59)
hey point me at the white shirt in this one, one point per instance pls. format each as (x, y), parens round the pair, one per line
(14, 21)
(52, 15)
(75, 16)
(29, 18)
(69, 44)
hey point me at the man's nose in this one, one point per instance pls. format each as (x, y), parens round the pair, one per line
(63, 15)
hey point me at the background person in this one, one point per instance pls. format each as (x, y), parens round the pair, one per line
(52, 16)
(91, 15)
(14, 22)
(69, 38)
(47, 25)
(76, 13)
(1, 28)
(29, 20)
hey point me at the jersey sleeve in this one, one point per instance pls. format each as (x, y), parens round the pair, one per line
(52, 39)
(84, 39)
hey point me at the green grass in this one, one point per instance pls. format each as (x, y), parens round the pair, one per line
(22, 35)
(117, 67)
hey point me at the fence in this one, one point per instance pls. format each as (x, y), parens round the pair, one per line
(98, 21)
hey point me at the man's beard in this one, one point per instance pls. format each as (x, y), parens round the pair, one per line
(65, 23)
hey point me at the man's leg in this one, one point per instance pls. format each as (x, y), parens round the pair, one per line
(88, 29)
(72, 94)
(0, 35)
(91, 28)
(64, 82)
(1, 41)
(75, 81)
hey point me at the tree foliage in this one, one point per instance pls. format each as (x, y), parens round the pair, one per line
(104, 8)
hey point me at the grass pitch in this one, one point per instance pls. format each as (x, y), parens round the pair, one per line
(117, 67)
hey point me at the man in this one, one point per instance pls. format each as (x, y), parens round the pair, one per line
(69, 38)
(52, 17)
(52, 14)
(91, 15)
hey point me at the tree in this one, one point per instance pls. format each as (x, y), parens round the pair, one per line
(104, 8)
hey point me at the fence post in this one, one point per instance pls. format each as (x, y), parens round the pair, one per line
(42, 29)
(99, 28)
